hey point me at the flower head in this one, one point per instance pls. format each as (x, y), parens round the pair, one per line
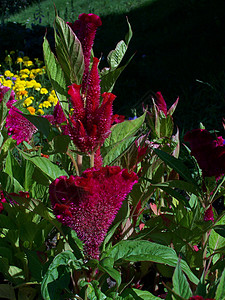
(209, 152)
(209, 216)
(88, 204)
(86, 27)
(19, 127)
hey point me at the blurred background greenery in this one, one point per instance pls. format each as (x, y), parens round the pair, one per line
(179, 48)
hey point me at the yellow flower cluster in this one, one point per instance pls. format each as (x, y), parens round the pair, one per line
(29, 84)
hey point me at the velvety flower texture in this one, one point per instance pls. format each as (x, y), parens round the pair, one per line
(19, 127)
(209, 152)
(91, 121)
(199, 298)
(88, 204)
(209, 216)
(85, 28)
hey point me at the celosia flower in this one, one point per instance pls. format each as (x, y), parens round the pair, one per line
(162, 106)
(3, 199)
(117, 119)
(209, 216)
(90, 122)
(3, 91)
(199, 298)
(58, 116)
(209, 153)
(85, 28)
(19, 127)
(88, 204)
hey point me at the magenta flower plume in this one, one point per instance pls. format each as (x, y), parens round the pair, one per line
(85, 28)
(58, 116)
(3, 91)
(19, 127)
(88, 204)
(160, 103)
(209, 216)
(209, 152)
(91, 121)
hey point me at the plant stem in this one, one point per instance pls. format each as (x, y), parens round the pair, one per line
(92, 159)
(74, 162)
(79, 162)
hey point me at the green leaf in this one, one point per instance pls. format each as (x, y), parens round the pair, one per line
(47, 167)
(41, 123)
(57, 277)
(124, 130)
(129, 34)
(180, 284)
(56, 75)
(69, 52)
(108, 79)
(61, 143)
(220, 229)
(176, 164)
(138, 295)
(115, 57)
(216, 241)
(220, 291)
(7, 292)
(106, 265)
(9, 184)
(142, 250)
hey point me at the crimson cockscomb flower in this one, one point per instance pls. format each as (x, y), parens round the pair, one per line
(209, 216)
(88, 204)
(91, 121)
(162, 106)
(85, 28)
(58, 117)
(209, 152)
(18, 126)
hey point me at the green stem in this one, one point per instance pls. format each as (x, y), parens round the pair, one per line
(79, 162)
(92, 160)
(74, 162)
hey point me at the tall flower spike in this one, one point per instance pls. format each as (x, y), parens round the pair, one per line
(86, 27)
(89, 204)
(19, 127)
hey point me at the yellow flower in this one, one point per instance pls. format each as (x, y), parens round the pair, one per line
(28, 63)
(31, 109)
(40, 105)
(46, 104)
(40, 111)
(19, 60)
(24, 76)
(52, 99)
(43, 91)
(8, 83)
(37, 86)
(28, 101)
(21, 94)
(25, 71)
(8, 73)
(29, 84)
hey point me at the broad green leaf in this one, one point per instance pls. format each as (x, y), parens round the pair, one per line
(57, 276)
(115, 57)
(124, 130)
(29, 169)
(9, 184)
(216, 241)
(61, 143)
(56, 75)
(220, 291)
(41, 123)
(7, 292)
(138, 294)
(45, 166)
(106, 265)
(112, 153)
(108, 79)
(35, 265)
(176, 164)
(220, 229)
(69, 52)
(142, 250)
(180, 283)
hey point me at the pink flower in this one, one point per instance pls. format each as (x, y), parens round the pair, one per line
(19, 127)
(3, 91)
(2, 200)
(160, 102)
(91, 121)
(209, 153)
(209, 216)
(88, 204)
(85, 28)
(199, 298)
(117, 119)
(58, 116)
